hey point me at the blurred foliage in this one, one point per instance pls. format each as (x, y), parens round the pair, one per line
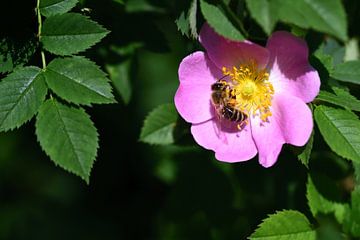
(178, 191)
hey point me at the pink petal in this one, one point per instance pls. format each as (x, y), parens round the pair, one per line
(229, 146)
(291, 123)
(192, 99)
(224, 52)
(290, 70)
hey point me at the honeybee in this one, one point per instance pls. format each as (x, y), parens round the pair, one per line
(223, 98)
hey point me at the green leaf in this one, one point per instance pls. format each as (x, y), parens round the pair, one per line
(120, 77)
(341, 131)
(187, 22)
(319, 204)
(21, 94)
(325, 59)
(263, 11)
(68, 136)
(70, 33)
(342, 98)
(352, 50)
(334, 49)
(347, 72)
(192, 19)
(304, 157)
(78, 80)
(352, 220)
(159, 125)
(285, 225)
(325, 16)
(182, 24)
(219, 22)
(52, 7)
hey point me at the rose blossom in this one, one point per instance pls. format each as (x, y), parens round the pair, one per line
(270, 86)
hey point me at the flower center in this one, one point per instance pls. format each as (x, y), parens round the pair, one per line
(252, 89)
(248, 89)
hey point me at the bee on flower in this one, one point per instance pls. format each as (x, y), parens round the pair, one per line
(243, 99)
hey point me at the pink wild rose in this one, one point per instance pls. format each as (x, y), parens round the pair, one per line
(243, 99)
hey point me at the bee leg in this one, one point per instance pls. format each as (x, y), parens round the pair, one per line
(240, 126)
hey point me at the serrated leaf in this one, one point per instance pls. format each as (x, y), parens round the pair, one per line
(343, 99)
(319, 204)
(304, 157)
(186, 23)
(21, 94)
(284, 225)
(325, 16)
(347, 72)
(341, 131)
(263, 11)
(192, 19)
(52, 7)
(78, 80)
(68, 136)
(120, 77)
(70, 33)
(159, 125)
(182, 24)
(219, 22)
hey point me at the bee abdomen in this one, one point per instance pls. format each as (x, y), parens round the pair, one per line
(233, 114)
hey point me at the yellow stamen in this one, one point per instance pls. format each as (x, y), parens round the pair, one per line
(252, 90)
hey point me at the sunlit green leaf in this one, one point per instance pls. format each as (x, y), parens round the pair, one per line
(219, 22)
(347, 72)
(52, 7)
(341, 131)
(284, 225)
(78, 80)
(159, 125)
(319, 204)
(21, 94)
(263, 11)
(352, 50)
(68, 136)
(70, 33)
(325, 16)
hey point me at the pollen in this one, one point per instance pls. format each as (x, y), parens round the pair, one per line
(252, 89)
